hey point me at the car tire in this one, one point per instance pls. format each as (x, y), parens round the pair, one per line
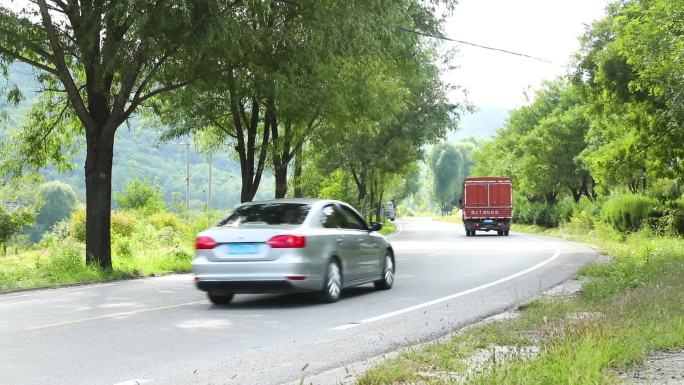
(499, 233)
(332, 284)
(387, 280)
(506, 233)
(220, 299)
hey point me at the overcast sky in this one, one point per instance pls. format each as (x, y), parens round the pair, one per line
(542, 28)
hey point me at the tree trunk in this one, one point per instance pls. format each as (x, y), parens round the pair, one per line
(281, 181)
(576, 194)
(298, 193)
(98, 178)
(281, 149)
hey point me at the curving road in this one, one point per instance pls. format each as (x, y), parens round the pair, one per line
(163, 331)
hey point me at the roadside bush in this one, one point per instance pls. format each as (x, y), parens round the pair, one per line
(123, 249)
(585, 214)
(668, 218)
(123, 223)
(534, 213)
(627, 213)
(141, 195)
(77, 224)
(664, 189)
(164, 219)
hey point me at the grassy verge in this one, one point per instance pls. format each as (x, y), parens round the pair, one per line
(388, 228)
(453, 218)
(142, 245)
(636, 304)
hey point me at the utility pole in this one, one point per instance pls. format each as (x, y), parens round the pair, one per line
(187, 174)
(209, 195)
(187, 177)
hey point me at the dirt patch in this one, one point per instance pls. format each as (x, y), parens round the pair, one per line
(569, 289)
(659, 368)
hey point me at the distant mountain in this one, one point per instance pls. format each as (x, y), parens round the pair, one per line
(481, 123)
(138, 154)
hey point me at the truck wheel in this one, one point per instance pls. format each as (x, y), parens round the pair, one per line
(499, 232)
(506, 233)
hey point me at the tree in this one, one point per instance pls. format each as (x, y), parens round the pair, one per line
(13, 221)
(98, 62)
(58, 201)
(631, 71)
(141, 194)
(446, 163)
(540, 146)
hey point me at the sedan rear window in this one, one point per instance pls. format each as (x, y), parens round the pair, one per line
(268, 213)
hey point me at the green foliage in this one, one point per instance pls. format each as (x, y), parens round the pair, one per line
(668, 218)
(540, 144)
(447, 166)
(142, 245)
(123, 223)
(164, 219)
(627, 213)
(59, 200)
(141, 195)
(77, 224)
(12, 221)
(630, 65)
(541, 213)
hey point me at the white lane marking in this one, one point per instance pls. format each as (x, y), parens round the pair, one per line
(396, 232)
(133, 382)
(114, 315)
(181, 277)
(395, 313)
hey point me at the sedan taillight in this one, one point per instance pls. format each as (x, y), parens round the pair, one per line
(204, 243)
(287, 242)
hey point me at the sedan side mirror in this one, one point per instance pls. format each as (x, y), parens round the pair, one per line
(375, 226)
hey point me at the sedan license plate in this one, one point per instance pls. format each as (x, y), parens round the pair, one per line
(242, 249)
(488, 221)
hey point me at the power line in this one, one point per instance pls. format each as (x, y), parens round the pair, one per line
(442, 37)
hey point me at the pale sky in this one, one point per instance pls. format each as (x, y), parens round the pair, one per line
(542, 28)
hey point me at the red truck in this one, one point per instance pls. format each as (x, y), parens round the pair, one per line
(487, 204)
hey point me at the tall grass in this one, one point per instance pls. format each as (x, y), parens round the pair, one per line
(142, 245)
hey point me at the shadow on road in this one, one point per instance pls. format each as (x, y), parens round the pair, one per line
(286, 301)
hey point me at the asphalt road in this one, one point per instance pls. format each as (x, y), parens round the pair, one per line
(163, 331)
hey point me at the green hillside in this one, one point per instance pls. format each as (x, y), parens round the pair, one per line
(138, 153)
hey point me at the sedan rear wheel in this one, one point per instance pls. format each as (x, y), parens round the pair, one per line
(387, 275)
(333, 283)
(220, 299)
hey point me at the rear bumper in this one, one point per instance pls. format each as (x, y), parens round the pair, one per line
(498, 224)
(259, 276)
(247, 287)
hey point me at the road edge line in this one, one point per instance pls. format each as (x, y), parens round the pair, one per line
(557, 253)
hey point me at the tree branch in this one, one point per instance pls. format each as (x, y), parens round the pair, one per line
(62, 69)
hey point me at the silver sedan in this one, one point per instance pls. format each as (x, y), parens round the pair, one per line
(291, 245)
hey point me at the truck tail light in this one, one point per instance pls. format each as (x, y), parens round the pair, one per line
(204, 243)
(287, 242)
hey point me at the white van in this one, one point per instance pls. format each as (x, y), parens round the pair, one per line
(390, 211)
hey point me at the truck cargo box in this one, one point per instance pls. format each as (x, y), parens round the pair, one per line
(487, 204)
